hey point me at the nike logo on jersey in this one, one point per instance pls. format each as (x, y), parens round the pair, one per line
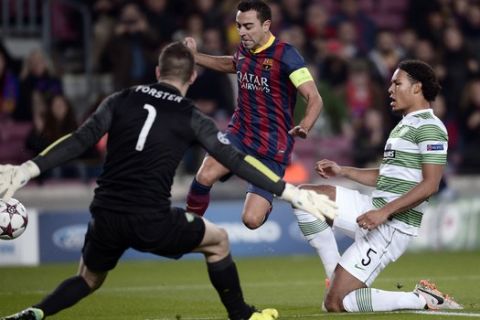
(358, 267)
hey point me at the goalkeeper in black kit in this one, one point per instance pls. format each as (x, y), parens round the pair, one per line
(150, 127)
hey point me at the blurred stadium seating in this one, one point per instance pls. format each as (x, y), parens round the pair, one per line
(76, 37)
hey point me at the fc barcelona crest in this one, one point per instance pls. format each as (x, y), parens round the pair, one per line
(267, 64)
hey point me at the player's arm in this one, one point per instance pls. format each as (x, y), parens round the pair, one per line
(308, 90)
(327, 168)
(367, 177)
(302, 79)
(252, 170)
(433, 144)
(64, 149)
(432, 174)
(218, 63)
(75, 144)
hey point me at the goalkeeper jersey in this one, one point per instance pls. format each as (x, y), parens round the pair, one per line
(149, 128)
(419, 138)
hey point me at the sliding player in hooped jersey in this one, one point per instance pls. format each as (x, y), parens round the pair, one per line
(384, 223)
(269, 74)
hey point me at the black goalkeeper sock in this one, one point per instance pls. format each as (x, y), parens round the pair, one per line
(65, 295)
(224, 277)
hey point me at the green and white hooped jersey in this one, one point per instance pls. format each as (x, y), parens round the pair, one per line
(420, 137)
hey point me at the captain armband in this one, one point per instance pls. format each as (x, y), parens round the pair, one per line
(300, 76)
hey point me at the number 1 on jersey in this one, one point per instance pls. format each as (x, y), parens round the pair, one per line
(152, 113)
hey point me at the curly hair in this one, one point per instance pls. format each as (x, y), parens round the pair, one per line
(419, 71)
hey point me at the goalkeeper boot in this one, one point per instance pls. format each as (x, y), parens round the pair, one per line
(435, 299)
(265, 314)
(27, 314)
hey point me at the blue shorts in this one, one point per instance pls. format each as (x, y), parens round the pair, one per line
(276, 167)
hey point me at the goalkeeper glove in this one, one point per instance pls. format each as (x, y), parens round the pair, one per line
(319, 205)
(13, 178)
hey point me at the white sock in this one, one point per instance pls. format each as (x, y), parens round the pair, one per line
(370, 299)
(320, 236)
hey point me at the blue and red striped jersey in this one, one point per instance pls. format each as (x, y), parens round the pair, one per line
(266, 99)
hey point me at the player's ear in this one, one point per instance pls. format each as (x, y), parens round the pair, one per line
(266, 25)
(417, 87)
(157, 73)
(193, 77)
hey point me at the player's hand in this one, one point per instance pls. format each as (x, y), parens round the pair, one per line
(298, 131)
(372, 219)
(318, 205)
(13, 178)
(327, 168)
(191, 44)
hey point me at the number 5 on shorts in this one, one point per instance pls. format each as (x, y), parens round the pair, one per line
(369, 252)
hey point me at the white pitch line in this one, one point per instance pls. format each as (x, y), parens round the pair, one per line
(184, 287)
(446, 313)
(329, 315)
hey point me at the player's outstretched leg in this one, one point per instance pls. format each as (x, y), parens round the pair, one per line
(434, 298)
(27, 314)
(223, 275)
(320, 236)
(372, 300)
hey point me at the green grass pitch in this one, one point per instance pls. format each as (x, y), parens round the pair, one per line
(171, 290)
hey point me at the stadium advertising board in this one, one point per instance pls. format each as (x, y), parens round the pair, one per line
(25, 249)
(62, 233)
(58, 236)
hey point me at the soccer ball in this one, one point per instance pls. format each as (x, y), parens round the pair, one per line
(13, 219)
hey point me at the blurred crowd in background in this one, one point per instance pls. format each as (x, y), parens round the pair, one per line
(351, 47)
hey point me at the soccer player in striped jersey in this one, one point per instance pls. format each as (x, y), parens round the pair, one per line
(269, 74)
(384, 223)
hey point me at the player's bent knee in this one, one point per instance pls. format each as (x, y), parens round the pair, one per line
(223, 243)
(94, 280)
(252, 225)
(253, 221)
(207, 176)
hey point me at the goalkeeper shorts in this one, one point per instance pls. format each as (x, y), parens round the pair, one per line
(169, 234)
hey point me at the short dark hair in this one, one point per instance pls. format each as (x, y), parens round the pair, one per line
(419, 71)
(264, 12)
(176, 61)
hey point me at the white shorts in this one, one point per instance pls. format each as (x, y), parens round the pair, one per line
(351, 204)
(372, 250)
